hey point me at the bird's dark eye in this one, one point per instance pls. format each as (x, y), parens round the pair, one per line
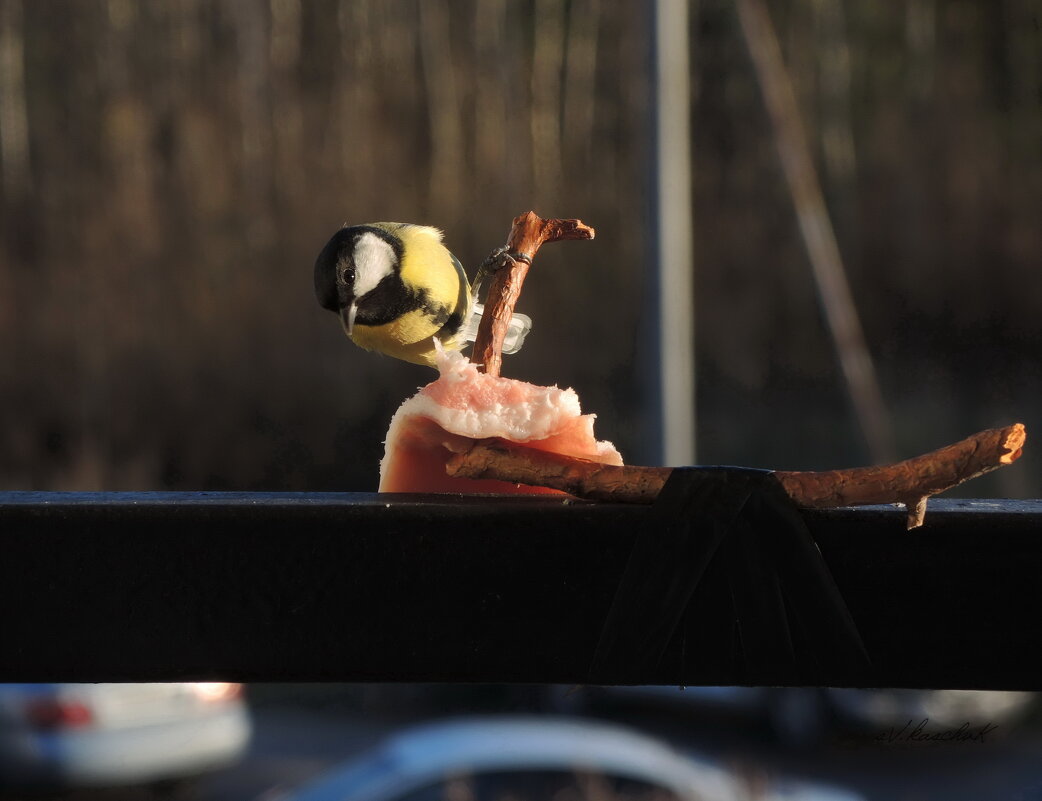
(348, 275)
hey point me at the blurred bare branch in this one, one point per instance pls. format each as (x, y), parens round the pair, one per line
(580, 91)
(14, 120)
(816, 227)
(547, 68)
(443, 105)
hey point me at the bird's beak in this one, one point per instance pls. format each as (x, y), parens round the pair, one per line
(347, 317)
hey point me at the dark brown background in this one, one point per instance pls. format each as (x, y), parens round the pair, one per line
(169, 171)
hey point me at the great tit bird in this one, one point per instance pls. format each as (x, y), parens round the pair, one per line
(397, 288)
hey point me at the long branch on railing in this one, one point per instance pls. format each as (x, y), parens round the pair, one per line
(910, 482)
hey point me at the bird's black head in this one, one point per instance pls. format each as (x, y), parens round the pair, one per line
(334, 271)
(359, 261)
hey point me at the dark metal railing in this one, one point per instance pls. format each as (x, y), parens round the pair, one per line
(366, 587)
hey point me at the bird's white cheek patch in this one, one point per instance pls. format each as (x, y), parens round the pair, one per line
(374, 260)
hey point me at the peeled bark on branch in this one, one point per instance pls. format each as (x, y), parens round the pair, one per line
(909, 482)
(528, 233)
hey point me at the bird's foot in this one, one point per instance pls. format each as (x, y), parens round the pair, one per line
(500, 258)
(495, 261)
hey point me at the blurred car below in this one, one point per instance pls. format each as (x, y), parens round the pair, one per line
(107, 735)
(537, 758)
(803, 716)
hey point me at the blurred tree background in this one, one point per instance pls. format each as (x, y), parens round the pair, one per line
(170, 170)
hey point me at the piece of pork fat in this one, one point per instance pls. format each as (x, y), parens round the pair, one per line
(464, 404)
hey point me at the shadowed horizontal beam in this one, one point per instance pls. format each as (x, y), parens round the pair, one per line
(365, 587)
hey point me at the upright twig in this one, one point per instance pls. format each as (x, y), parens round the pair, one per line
(527, 235)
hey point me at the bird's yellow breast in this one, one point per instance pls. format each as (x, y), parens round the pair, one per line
(410, 337)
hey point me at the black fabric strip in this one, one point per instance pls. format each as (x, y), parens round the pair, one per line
(728, 581)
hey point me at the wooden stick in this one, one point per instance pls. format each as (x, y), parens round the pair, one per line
(527, 234)
(909, 482)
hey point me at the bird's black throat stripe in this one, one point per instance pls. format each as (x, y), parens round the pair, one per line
(392, 299)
